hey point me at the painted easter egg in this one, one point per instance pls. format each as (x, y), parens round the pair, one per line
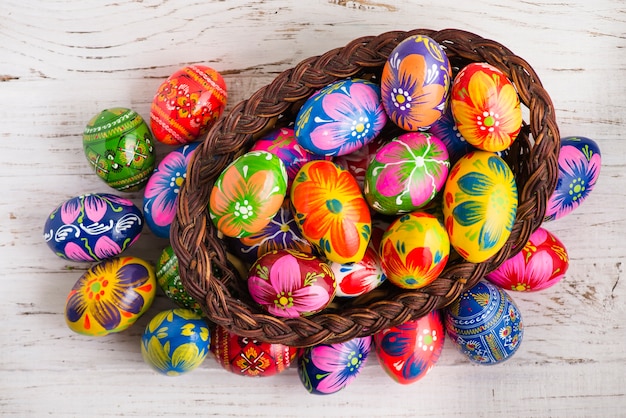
(325, 369)
(120, 148)
(175, 341)
(415, 83)
(160, 197)
(355, 279)
(541, 264)
(249, 357)
(484, 324)
(406, 173)
(479, 205)
(110, 296)
(331, 212)
(414, 250)
(340, 118)
(282, 232)
(168, 278)
(187, 104)
(248, 193)
(93, 227)
(289, 283)
(407, 352)
(579, 168)
(357, 161)
(486, 107)
(282, 143)
(446, 130)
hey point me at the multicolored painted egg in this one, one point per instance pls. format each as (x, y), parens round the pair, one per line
(446, 130)
(110, 296)
(282, 232)
(93, 227)
(289, 283)
(484, 324)
(331, 212)
(406, 173)
(407, 352)
(248, 193)
(486, 107)
(355, 279)
(187, 104)
(340, 118)
(541, 264)
(175, 341)
(579, 168)
(120, 148)
(327, 368)
(249, 357)
(479, 205)
(160, 197)
(282, 143)
(168, 278)
(414, 250)
(357, 161)
(415, 83)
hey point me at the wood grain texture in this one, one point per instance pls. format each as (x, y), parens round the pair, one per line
(61, 62)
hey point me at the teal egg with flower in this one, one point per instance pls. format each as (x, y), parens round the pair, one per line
(479, 205)
(175, 341)
(406, 173)
(340, 118)
(325, 369)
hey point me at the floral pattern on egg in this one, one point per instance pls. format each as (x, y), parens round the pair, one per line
(161, 192)
(479, 205)
(110, 296)
(406, 173)
(93, 227)
(415, 82)
(331, 211)
(328, 368)
(248, 193)
(579, 168)
(486, 107)
(340, 118)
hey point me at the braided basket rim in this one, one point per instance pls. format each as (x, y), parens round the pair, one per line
(211, 278)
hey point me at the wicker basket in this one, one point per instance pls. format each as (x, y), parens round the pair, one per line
(204, 267)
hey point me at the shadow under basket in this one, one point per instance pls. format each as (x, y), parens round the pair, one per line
(212, 280)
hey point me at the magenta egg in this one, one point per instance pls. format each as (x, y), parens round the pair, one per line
(290, 283)
(542, 263)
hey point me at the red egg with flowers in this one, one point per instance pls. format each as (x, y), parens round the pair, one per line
(187, 104)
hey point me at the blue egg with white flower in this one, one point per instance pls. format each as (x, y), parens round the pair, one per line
(161, 193)
(327, 368)
(340, 118)
(175, 341)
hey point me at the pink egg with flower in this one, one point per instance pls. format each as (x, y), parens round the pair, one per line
(289, 283)
(542, 263)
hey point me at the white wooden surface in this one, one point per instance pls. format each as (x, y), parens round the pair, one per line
(61, 62)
